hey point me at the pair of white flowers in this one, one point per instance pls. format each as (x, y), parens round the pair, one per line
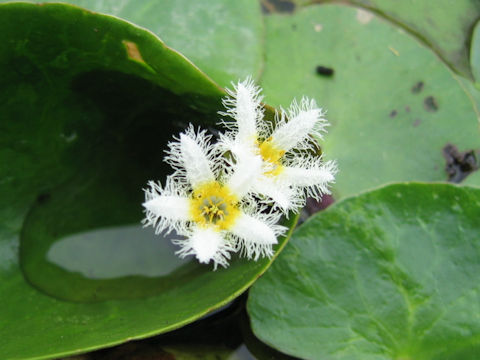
(228, 197)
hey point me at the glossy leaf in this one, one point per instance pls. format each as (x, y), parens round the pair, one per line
(385, 275)
(392, 103)
(223, 38)
(443, 25)
(87, 105)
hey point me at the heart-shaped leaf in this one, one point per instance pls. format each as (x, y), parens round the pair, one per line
(87, 105)
(393, 105)
(390, 274)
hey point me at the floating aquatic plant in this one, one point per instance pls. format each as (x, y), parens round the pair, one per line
(219, 204)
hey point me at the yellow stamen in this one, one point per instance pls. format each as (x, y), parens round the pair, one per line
(213, 204)
(270, 153)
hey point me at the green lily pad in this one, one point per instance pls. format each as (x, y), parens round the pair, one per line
(390, 274)
(392, 103)
(87, 104)
(443, 25)
(223, 38)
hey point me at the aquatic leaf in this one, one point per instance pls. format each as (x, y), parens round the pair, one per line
(223, 38)
(87, 104)
(389, 274)
(393, 104)
(443, 25)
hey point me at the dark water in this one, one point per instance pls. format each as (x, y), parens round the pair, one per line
(222, 335)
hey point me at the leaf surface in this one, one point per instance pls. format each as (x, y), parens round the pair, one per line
(393, 105)
(87, 105)
(443, 25)
(388, 274)
(223, 38)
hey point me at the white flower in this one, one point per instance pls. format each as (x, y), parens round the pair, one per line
(290, 169)
(209, 205)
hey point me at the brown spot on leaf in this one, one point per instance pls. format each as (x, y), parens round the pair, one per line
(407, 108)
(393, 113)
(430, 104)
(132, 51)
(459, 164)
(324, 70)
(417, 122)
(418, 87)
(277, 6)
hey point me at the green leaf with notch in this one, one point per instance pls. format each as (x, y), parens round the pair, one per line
(87, 104)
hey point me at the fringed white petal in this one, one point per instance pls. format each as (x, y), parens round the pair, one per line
(196, 162)
(243, 104)
(173, 207)
(207, 245)
(283, 196)
(226, 142)
(192, 157)
(256, 234)
(245, 171)
(311, 174)
(166, 208)
(304, 120)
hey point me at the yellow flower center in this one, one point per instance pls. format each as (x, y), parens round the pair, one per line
(271, 154)
(213, 204)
